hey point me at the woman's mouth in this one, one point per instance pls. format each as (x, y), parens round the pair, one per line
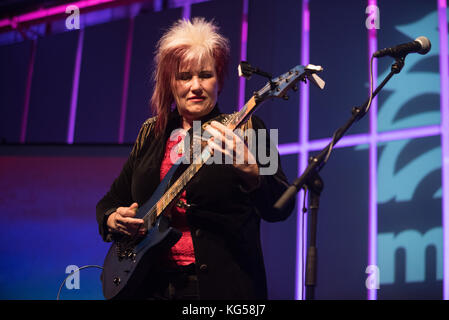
(196, 98)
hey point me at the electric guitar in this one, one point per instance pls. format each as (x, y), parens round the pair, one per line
(129, 258)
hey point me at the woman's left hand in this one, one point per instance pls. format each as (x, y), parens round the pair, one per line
(226, 142)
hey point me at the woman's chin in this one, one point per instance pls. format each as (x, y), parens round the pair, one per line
(195, 112)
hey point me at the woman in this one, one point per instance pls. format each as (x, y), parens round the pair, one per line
(219, 255)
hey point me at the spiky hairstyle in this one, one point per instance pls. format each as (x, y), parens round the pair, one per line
(186, 42)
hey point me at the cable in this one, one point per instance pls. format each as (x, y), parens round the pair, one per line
(83, 267)
(368, 106)
(331, 146)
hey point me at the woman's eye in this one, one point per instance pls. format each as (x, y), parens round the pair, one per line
(184, 76)
(206, 75)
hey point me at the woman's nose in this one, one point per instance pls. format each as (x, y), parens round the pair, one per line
(196, 84)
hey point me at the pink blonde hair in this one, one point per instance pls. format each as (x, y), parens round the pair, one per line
(185, 42)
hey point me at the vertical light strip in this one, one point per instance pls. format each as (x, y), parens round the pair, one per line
(301, 219)
(372, 211)
(243, 53)
(186, 10)
(157, 5)
(444, 105)
(75, 86)
(26, 103)
(129, 46)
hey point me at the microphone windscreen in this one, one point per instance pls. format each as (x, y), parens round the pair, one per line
(425, 44)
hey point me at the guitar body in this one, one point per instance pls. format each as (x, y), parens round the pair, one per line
(129, 260)
(122, 275)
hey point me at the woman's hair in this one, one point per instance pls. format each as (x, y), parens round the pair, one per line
(187, 43)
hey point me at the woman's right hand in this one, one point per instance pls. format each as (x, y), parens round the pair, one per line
(123, 221)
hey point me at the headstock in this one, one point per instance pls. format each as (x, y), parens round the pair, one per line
(279, 86)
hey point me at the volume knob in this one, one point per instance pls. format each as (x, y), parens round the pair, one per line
(116, 281)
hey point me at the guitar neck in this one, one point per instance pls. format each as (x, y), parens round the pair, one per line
(240, 117)
(277, 87)
(235, 120)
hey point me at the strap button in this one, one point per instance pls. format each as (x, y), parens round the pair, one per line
(203, 267)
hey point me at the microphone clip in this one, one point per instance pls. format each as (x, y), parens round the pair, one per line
(398, 65)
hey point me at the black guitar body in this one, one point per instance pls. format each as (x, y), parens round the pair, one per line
(129, 260)
(126, 265)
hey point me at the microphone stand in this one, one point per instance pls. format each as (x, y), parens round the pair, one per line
(311, 180)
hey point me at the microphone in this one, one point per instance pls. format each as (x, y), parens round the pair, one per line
(421, 45)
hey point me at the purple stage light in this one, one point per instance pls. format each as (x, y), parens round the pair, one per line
(444, 106)
(50, 12)
(186, 8)
(372, 211)
(413, 133)
(360, 139)
(26, 104)
(129, 45)
(75, 86)
(301, 232)
(243, 46)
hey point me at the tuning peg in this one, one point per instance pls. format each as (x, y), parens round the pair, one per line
(285, 97)
(295, 88)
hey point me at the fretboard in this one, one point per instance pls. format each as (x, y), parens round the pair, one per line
(235, 120)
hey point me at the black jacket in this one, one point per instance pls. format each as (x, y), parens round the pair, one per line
(224, 218)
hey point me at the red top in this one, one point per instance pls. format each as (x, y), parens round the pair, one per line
(182, 252)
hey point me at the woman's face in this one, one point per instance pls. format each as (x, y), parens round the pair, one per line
(195, 89)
